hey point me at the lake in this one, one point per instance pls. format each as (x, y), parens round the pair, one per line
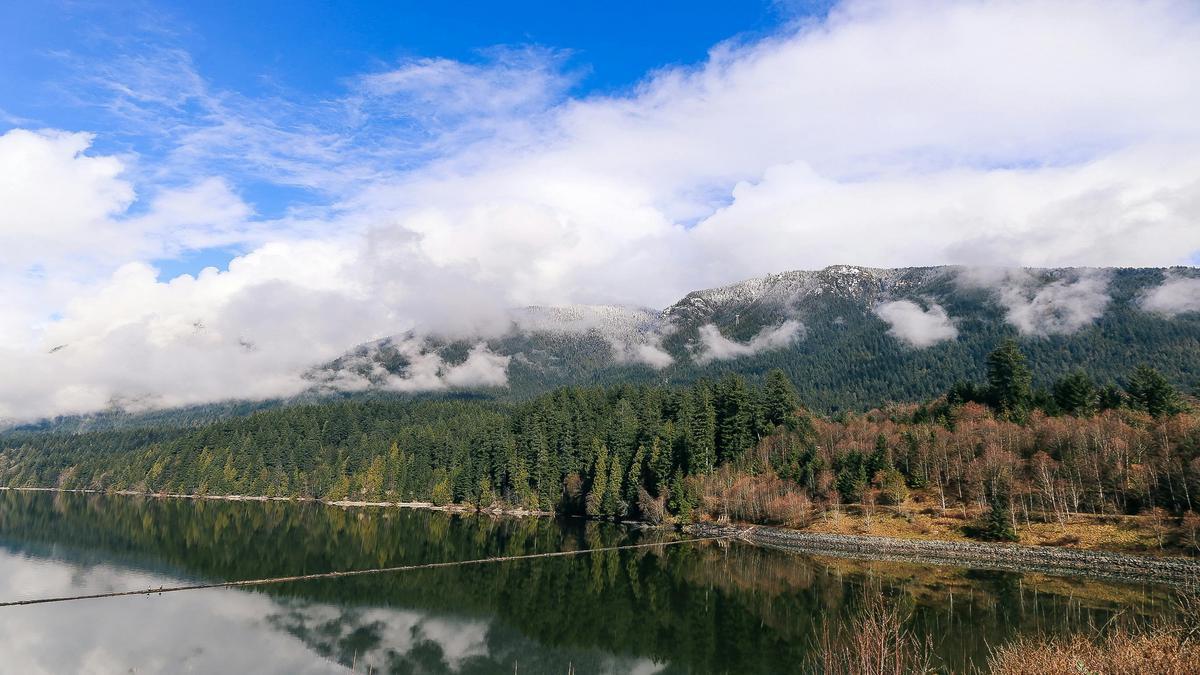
(707, 607)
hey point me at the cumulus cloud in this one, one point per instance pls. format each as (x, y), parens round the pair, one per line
(1176, 295)
(716, 347)
(1017, 133)
(1037, 306)
(915, 326)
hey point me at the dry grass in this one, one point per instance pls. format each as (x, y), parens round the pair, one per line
(1118, 534)
(1122, 652)
(1164, 648)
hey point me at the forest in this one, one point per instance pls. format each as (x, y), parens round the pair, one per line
(725, 449)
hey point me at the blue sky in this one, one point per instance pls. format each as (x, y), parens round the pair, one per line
(181, 180)
(307, 52)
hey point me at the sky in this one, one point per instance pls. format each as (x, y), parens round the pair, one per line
(200, 201)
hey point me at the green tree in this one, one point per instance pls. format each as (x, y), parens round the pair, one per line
(780, 401)
(683, 501)
(595, 496)
(999, 526)
(1076, 394)
(702, 433)
(1149, 391)
(612, 504)
(1009, 379)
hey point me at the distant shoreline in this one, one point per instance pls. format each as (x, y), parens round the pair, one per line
(343, 503)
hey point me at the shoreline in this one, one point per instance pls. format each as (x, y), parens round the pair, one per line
(341, 503)
(1057, 560)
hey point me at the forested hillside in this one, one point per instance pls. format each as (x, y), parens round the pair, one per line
(825, 330)
(829, 331)
(725, 448)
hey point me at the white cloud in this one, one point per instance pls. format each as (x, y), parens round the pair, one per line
(1176, 295)
(716, 347)
(482, 368)
(652, 355)
(914, 326)
(890, 134)
(1040, 307)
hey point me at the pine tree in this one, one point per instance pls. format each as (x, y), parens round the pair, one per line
(702, 433)
(633, 479)
(1076, 394)
(661, 465)
(735, 418)
(595, 496)
(612, 504)
(780, 401)
(1110, 397)
(999, 525)
(1150, 391)
(549, 485)
(1009, 379)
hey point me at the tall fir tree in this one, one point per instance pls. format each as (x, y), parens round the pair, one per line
(1010, 381)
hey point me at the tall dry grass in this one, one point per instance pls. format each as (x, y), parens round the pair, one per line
(1165, 647)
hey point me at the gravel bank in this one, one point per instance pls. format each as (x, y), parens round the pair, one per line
(1182, 572)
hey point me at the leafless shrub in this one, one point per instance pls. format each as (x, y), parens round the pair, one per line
(876, 642)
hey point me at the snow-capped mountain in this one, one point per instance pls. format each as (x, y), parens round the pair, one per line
(850, 336)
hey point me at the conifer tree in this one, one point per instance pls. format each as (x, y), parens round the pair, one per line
(702, 432)
(1009, 379)
(999, 525)
(595, 496)
(780, 401)
(1076, 394)
(612, 503)
(1150, 391)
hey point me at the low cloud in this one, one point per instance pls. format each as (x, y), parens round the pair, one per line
(1176, 295)
(635, 334)
(422, 369)
(717, 347)
(652, 355)
(914, 326)
(483, 368)
(1037, 306)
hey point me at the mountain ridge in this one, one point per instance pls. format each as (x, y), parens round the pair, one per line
(824, 328)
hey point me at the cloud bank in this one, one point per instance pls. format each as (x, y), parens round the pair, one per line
(716, 347)
(1037, 306)
(914, 326)
(437, 194)
(1177, 295)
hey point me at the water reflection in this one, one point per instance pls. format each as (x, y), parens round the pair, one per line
(691, 608)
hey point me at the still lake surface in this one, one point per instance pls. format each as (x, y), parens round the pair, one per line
(694, 608)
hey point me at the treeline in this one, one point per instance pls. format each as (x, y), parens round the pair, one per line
(727, 448)
(593, 450)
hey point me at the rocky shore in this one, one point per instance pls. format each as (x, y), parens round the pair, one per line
(1182, 572)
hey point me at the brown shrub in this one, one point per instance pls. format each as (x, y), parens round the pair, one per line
(876, 642)
(1164, 648)
(754, 498)
(653, 509)
(791, 509)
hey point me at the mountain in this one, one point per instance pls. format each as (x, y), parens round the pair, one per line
(849, 337)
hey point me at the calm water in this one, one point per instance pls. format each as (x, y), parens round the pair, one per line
(693, 608)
